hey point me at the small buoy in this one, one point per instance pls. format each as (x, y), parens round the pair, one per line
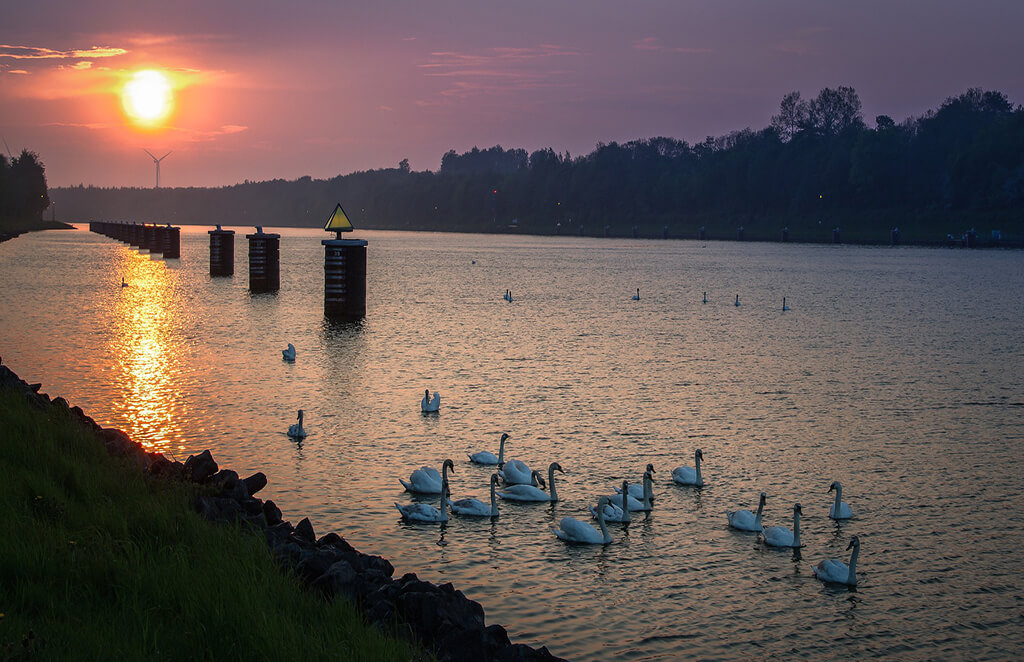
(705, 298)
(784, 306)
(737, 300)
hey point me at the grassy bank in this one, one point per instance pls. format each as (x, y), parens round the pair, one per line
(99, 563)
(16, 226)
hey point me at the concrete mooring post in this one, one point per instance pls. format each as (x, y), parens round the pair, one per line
(264, 261)
(171, 242)
(344, 271)
(222, 252)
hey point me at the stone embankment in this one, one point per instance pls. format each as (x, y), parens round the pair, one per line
(440, 618)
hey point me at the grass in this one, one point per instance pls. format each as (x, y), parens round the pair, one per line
(99, 563)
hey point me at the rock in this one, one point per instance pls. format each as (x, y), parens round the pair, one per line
(218, 509)
(255, 482)
(35, 388)
(339, 578)
(224, 479)
(118, 443)
(304, 530)
(198, 468)
(253, 507)
(272, 513)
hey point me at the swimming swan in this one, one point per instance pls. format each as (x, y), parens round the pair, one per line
(421, 512)
(476, 507)
(839, 509)
(644, 504)
(613, 513)
(428, 404)
(636, 490)
(515, 472)
(689, 475)
(427, 480)
(288, 354)
(780, 536)
(489, 458)
(295, 430)
(836, 572)
(571, 529)
(529, 492)
(636, 297)
(744, 520)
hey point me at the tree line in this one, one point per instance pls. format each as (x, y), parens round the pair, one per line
(817, 168)
(23, 192)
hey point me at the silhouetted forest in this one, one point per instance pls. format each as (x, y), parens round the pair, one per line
(817, 170)
(23, 192)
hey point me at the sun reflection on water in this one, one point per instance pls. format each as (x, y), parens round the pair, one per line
(146, 320)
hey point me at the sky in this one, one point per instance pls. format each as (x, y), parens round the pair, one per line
(268, 89)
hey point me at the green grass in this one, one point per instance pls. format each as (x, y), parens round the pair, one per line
(99, 563)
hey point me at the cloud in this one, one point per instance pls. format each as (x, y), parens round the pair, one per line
(18, 71)
(39, 53)
(92, 126)
(497, 70)
(193, 135)
(654, 44)
(84, 64)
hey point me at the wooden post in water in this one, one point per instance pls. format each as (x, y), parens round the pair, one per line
(344, 270)
(150, 242)
(222, 252)
(171, 244)
(264, 261)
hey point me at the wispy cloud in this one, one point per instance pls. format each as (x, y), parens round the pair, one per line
(654, 44)
(92, 126)
(21, 72)
(39, 53)
(194, 135)
(497, 70)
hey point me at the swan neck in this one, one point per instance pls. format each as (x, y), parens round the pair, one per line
(501, 453)
(796, 529)
(494, 499)
(444, 499)
(600, 521)
(626, 517)
(852, 579)
(551, 481)
(839, 500)
(697, 462)
(760, 508)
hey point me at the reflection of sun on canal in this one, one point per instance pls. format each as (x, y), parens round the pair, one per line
(142, 346)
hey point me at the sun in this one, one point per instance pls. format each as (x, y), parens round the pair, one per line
(148, 97)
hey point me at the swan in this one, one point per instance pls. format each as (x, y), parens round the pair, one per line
(508, 296)
(737, 300)
(634, 503)
(613, 513)
(515, 472)
(529, 492)
(688, 476)
(421, 512)
(296, 430)
(784, 306)
(636, 490)
(744, 520)
(839, 509)
(428, 404)
(636, 297)
(426, 480)
(836, 572)
(705, 300)
(476, 507)
(489, 458)
(123, 284)
(780, 536)
(288, 354)
(571, 529)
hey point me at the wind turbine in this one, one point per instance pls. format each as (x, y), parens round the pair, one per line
(157, 161)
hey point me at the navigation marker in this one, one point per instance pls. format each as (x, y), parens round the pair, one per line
(338, 222)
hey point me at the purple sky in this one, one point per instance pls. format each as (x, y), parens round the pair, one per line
(324, 87)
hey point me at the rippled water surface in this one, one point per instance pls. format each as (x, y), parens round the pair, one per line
(898, 372)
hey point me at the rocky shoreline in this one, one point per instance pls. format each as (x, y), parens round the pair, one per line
(441, 618)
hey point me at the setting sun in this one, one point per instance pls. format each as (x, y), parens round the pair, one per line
(147, 98)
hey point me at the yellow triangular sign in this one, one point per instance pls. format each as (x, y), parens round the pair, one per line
(339, 221)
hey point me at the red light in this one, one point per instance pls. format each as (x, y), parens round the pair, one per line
(495, 191)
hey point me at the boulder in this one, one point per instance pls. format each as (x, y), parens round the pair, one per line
(255, 482)
(272, 513)
(198, 468)
(304, 530)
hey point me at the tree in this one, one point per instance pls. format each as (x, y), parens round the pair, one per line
(792, 118)
(835, 111)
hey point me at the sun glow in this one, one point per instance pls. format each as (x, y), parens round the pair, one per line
(148, 97)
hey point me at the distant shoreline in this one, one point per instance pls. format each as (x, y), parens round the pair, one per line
(11, 228)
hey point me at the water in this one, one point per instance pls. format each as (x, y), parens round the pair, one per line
(897, 372)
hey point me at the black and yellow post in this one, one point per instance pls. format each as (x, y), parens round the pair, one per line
(344, 270)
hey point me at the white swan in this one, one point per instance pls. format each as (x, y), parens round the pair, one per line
(744, 520)
(839, 509)
(644, 504)
(428, 404)
(689, 475)
(421, 512)
(427, 480)
(636, 297)
(295, 430)
(476, 507)
(705, 300)
(837, 572)
(571, 529)
(613, 513)
(489, 458)
(636, 490)
(784, 306)
(288, 354)
(737, 300)
(508, 296)
(515, 472)
(522, 492)
(780, 536)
